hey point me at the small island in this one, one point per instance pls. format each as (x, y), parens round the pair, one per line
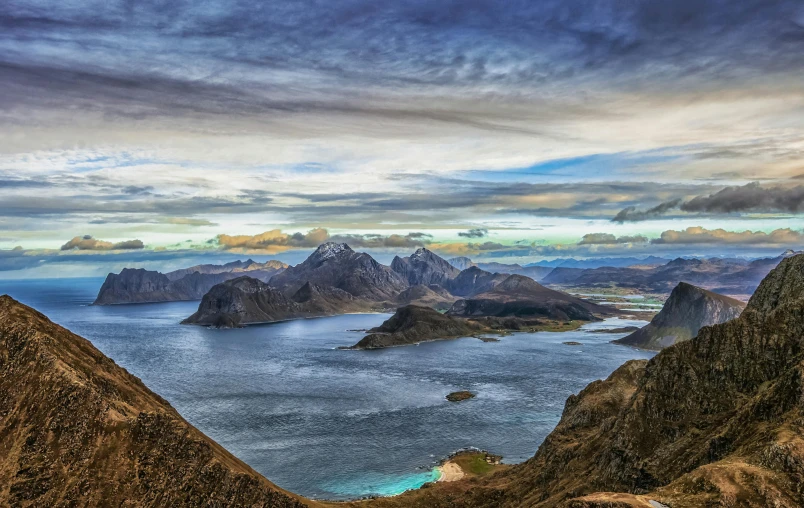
(459, 396)
(572, 343)
(413, 324)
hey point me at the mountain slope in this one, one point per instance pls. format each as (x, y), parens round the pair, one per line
(521, 296)
(337, 265)
(425, 268)
(474, 280)
(687, 310)
(249, 301)
(77, 430)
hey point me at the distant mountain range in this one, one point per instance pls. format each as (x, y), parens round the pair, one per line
(343, 280)
(136, 285)
(727, 276)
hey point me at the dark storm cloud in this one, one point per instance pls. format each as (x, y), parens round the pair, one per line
(474, 233)
(631, 214)
(63, 54)
(749, 198)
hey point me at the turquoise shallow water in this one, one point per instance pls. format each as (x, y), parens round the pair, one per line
(335, 424)
(380, 484)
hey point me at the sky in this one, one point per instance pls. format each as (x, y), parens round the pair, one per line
(163, 134)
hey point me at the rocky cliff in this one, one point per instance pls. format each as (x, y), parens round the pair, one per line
(687, 310)
(77, 430)
(413, 324)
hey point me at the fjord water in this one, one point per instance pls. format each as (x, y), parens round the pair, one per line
(334, 424)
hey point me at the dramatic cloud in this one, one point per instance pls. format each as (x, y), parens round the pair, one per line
(749, 198)
(631, 214)
(86, 242)
(609, 239)
(699, 235)
(474, 233)
(277, 241)
(274, 240)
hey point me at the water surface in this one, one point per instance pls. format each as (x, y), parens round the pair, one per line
(334, 424)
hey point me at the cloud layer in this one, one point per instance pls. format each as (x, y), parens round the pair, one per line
(86, 242)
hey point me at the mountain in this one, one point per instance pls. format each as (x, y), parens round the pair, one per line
(336, 265)
(78, 430)
(599, 262)
(461, 263)
(729, 276)
(562, 275)
(263, 271)
(425, 268)
(520, 296)
(687, 310)
(245, 301)
(137, 285)
(713, 421)
(534, 272)
(413, 324)
(474, 280)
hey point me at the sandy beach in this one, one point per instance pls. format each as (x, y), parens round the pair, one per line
(450, 472)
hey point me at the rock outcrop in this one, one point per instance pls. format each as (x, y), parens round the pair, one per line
(413, 324)
(77, 430)
(687, 310)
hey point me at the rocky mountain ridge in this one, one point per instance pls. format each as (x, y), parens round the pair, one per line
(78, 430)
(137, 285)
(687, 310)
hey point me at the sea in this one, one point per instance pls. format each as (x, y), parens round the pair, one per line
(339, 424)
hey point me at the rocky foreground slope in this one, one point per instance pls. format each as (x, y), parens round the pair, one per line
(716, 421)
(77, 430)
(687, 310)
